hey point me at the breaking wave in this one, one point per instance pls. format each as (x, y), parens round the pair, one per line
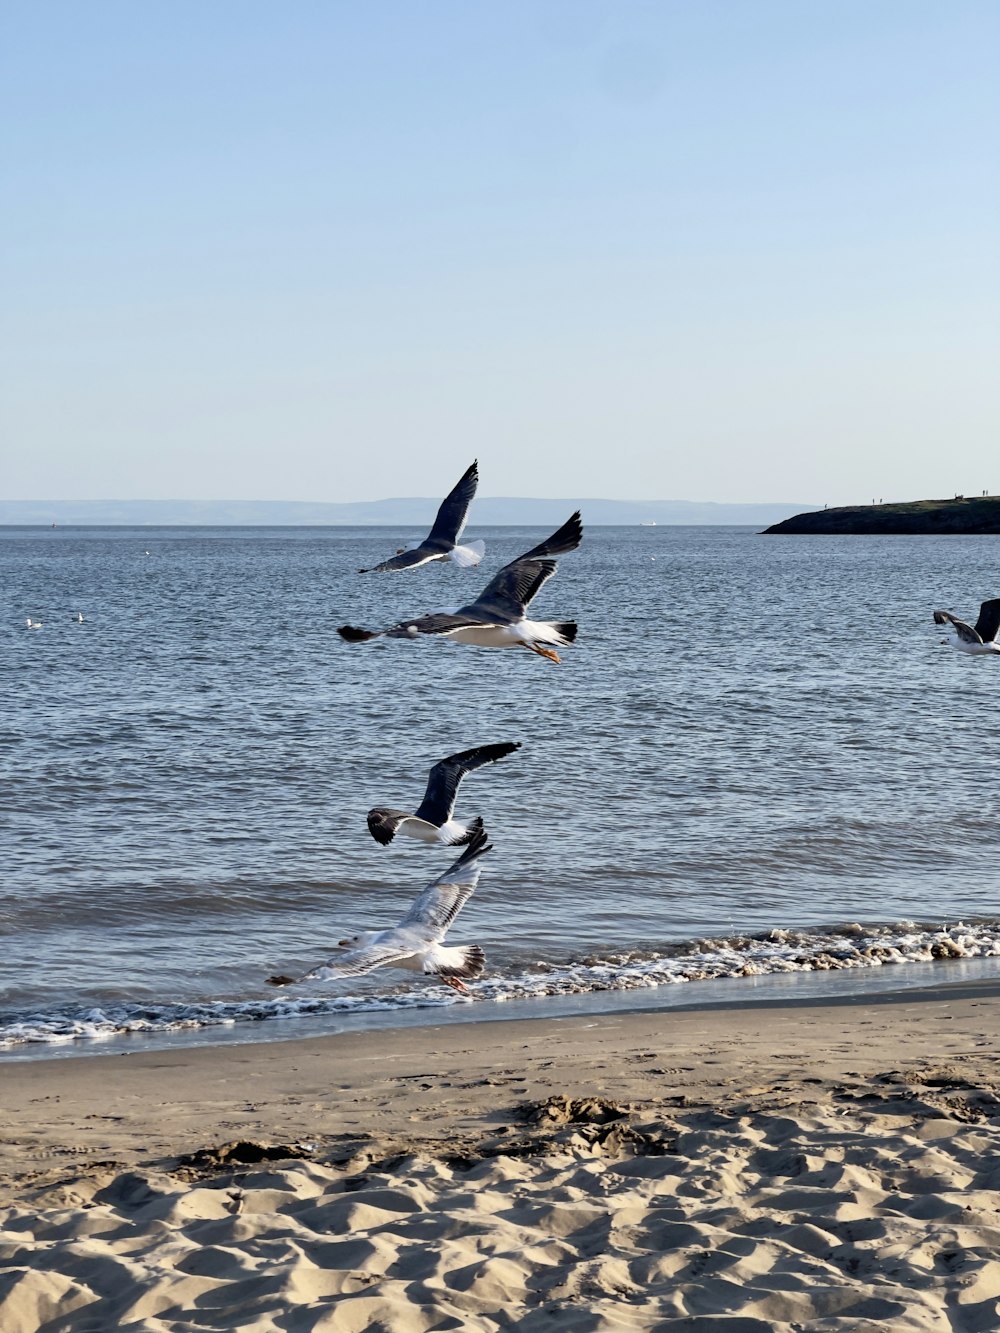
(752, 955)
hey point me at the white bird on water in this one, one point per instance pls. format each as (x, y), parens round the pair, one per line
(33, 624)
(432, 820)
(79, 617)
(417, 943)
(980, 639)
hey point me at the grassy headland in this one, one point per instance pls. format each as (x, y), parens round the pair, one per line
(961, 514)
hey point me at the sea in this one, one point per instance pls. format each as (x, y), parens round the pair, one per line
(756, 773)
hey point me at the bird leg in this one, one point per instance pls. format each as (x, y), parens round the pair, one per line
(455, 984)
(550, 653)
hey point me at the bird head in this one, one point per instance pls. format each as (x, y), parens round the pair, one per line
(355, 941)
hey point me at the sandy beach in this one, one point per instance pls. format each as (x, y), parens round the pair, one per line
(834, 1167)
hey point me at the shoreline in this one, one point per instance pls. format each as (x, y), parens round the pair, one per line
(771, 1167)
(845, 984)
(150, 1075)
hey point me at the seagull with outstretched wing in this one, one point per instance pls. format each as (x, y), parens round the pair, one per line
(432, 820)
(441, 543)
(417, 943)
(498, 617)
(980, 639)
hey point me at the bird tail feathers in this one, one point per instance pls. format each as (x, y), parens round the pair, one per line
(474, 829)
(547, 631)
(465, 961)
(468, 555)
(566, 629)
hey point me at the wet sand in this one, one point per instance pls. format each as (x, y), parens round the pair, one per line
(831, 1167)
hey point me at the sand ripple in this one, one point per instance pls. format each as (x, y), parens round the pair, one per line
(850, 1211)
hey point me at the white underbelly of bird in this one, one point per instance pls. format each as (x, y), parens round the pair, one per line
(961, 645)
(442, 960)
(520, 635)
(977, 649)
(447, 835)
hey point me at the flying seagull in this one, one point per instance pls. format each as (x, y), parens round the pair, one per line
(441, 543)
(497, 618)
(432, 821)
(979, 640)
(416, 944)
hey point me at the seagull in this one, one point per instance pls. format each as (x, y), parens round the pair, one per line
(416, 944)
(441, 543)
(497, 618)
(33, 624)
(79, 617)
(980, 640)
(432, 821)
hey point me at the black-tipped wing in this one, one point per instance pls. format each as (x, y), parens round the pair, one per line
(512, 588)
(436, 623)
(439, 622)
(436, 908)
(989, 620)
(380, 952)
(440, 903)
(356, 962)
(563, 540)
(453, 511)
(507, 596)
(444, 779)
(383, 823)
(965, 632)
(420, 555)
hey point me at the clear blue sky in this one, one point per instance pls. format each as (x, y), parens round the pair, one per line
(316, 250)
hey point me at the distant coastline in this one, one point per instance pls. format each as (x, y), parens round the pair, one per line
(961, 514)
(487, 511)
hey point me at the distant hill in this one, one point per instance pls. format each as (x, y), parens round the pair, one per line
(401, 513)
(961, 514)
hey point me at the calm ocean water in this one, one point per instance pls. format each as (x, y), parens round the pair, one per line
(757, 758)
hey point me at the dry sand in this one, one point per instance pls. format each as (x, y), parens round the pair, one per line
(825, 1168)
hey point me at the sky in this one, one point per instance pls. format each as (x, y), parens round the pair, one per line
(732, 250)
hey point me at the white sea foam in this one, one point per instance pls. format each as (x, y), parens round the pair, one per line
(778, 951)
